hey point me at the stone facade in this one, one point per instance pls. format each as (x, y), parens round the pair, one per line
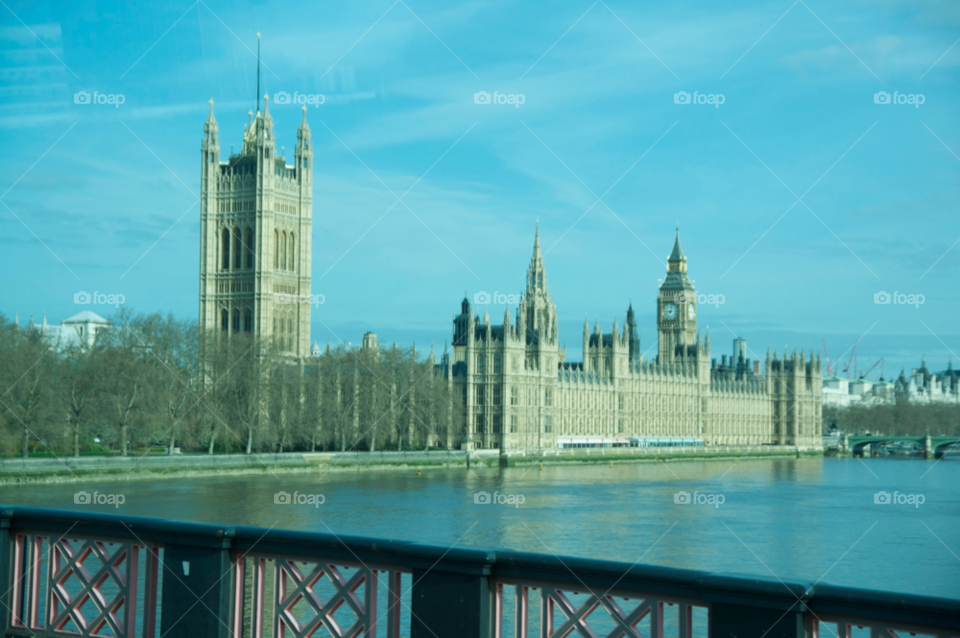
(256, 224)
(520, 393)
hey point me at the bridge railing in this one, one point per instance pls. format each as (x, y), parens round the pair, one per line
(84, 574)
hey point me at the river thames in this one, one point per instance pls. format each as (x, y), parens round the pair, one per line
(813, 519)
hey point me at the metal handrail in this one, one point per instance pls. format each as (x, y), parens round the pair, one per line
(439, 571)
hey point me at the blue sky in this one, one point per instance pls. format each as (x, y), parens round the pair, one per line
(103, 198)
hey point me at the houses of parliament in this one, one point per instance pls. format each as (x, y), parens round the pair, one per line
(518, 391)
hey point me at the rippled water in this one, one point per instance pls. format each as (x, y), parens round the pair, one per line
(805, 519)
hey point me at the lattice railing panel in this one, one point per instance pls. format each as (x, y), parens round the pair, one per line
(849, 627)
(298, 597)
(535, 609)
(82, 586)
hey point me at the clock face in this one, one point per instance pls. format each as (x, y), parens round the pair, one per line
(670, 311)
(691, 312)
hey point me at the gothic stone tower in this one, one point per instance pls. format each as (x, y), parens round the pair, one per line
(255, 237)
(676, 309)
(506, 375)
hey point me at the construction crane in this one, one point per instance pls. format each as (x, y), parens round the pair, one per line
(870, 369)
(826, 359)
(851, 359)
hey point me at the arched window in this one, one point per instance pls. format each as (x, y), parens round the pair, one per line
(236, 320)
(224, 320)
(290, 325)
(249, 243)
(237, 249)
(276, 249)
(225, 250)
(283, 251)
(247, 320)
(291, 262)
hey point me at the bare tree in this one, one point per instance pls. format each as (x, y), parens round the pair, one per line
(29, 374)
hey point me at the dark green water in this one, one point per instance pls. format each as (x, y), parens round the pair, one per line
(808, 519)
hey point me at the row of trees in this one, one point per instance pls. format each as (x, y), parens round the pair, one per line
(901, 417)
(144, 384)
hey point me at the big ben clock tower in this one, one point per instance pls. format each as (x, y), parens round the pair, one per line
(676, 307)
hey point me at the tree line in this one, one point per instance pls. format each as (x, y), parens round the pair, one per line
(144, 385)
(900, 417)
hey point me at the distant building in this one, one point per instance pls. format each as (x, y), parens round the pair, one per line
(920, 386)
(520, 393)
(843, 393)
(79, 331)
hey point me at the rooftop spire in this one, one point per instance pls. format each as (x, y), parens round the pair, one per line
(256, 96)
(537, 275)
(536, 241)
(210, 126)
(677, 254)
(677, 261)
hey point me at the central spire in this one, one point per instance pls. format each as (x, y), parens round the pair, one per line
(536, 238)
(537, 274)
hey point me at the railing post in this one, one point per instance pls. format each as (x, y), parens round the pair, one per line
(738, 621)
(6, 570)
(451, 604)
(197, 591)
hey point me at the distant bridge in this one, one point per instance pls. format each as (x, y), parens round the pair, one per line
(934, 446)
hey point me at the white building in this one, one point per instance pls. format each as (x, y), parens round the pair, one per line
(79, 331)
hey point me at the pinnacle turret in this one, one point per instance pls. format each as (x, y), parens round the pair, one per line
(303, 123)
(210, 135)
(211, 123)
